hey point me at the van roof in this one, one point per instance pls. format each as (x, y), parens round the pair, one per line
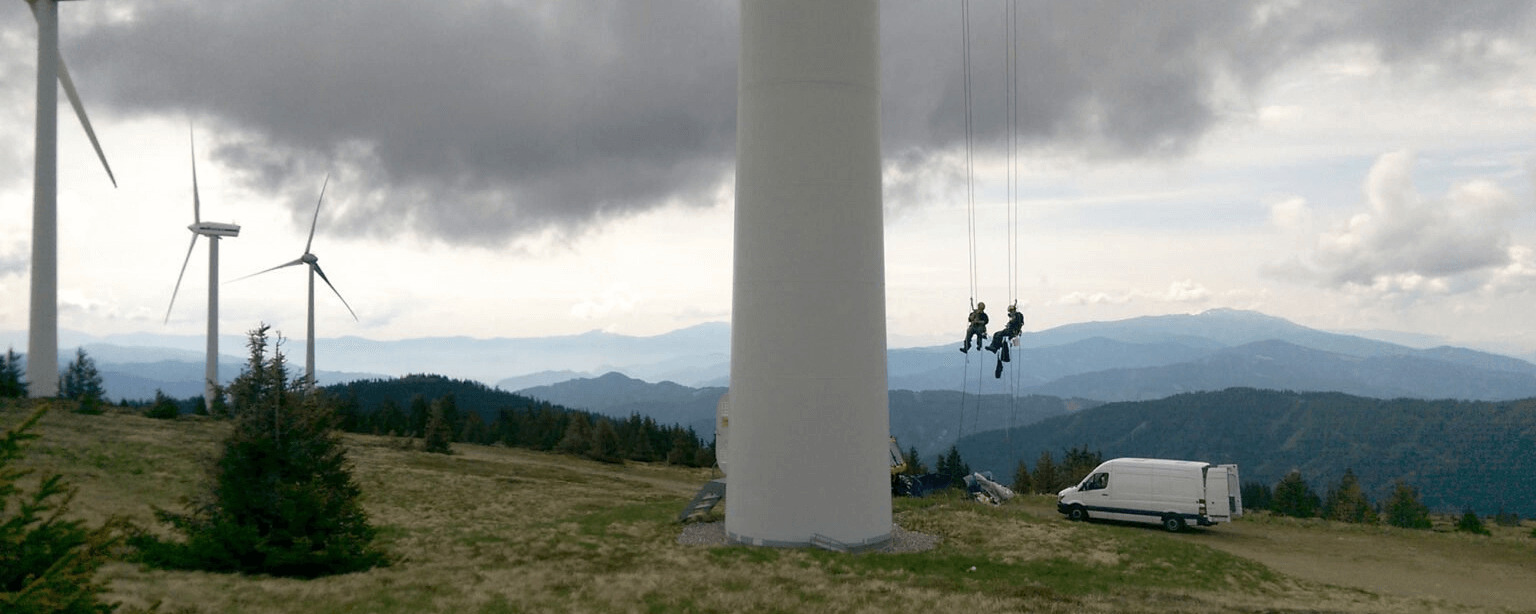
(1155, 462)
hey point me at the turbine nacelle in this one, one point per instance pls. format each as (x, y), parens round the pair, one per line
(215, 229)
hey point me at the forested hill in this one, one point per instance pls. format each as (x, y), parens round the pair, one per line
(469, 396)
(1458, 453)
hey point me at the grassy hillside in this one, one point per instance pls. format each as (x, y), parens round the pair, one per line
(493, 530)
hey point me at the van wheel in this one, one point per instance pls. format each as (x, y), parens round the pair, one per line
(1174, 524)
(1077, 513)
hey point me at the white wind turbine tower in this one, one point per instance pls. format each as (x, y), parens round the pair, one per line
(214, 231)
(43, 326)
(314, 269)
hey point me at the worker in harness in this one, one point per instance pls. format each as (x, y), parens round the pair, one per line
(976, 327)
(1000, 339)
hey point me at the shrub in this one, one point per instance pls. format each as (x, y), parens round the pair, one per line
(1470, 523)
(164, 407)
(47, 564)
(281, 500)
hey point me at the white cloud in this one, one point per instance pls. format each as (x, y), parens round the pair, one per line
(1291, 214)
(1406, 242)
(1185, 291)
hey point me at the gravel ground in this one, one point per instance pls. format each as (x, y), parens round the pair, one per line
(713, 534)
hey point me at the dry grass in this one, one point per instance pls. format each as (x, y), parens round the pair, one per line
(496, 530)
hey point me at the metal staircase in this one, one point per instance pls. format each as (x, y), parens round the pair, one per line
(705, 500)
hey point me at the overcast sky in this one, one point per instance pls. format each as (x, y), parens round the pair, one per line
(513, 169)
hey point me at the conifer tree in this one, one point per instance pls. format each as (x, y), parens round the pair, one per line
(281, 500)
(436, 436)
(952, 466)
(914, 462)
(1294, 498)
(1404, 510)
(605, 443)
(1048, 478)
(1347, 503)
(12, 385)
(1023, 482)
(578, 435)
(47, 563)
(81, 382)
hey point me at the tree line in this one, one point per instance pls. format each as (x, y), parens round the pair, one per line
(376, 407)
(1346, 501)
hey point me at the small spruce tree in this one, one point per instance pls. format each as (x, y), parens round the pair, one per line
(12, 384)
(1048, 479)
(1347, 503)
(81, 382)
(1023, 482)
(437, 437)
(952, 466)
(605, 443)
(914, 462)
(47, 564)
(281, 500)
(1403, 508)
(1294, 498)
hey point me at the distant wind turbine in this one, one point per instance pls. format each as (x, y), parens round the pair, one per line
(43, 327)
(314, 269)
(214, 231)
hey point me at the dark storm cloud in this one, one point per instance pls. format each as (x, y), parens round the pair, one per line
(484, 121)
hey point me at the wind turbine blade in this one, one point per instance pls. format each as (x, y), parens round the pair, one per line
(280, 266)
(197, 203)
(178, 278)
(74, 100)
(315, 221)
(327, 281)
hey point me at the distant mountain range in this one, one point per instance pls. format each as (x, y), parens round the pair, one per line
(1135, 359)
(930, 421)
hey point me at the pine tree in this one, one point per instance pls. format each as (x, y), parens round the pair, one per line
(1077, 463)
(1347, 503)
(437, 434)
(1023, 483)
(1294, 498)
(605, 443)
(81, 382)
(1257, 496)
(1048, 478)
(1404, 510)
(578, 436)
(47, 563)
(950, 465)
(11, 373)
(914, 462)
(418, 415)
(281, 500)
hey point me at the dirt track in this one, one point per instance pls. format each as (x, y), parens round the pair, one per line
(1497, 572)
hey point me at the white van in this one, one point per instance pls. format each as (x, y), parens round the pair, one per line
(1168, 492)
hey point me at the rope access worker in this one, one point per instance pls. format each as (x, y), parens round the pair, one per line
(977, 327)
(1000, 340)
